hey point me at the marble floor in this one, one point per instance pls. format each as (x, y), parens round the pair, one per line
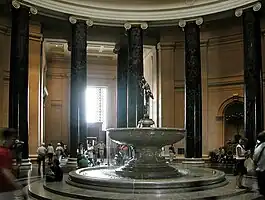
(32, 176)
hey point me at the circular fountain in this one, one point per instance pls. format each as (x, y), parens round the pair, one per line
(147, 176)
(148, 172)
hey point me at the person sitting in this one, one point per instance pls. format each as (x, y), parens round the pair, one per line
(56, 173)
(83, 162)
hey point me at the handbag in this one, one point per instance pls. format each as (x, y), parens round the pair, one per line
(249, 165)
(256, 161)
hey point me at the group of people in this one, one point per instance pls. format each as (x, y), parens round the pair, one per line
(248, 161)
(90, 155)
(44, 152)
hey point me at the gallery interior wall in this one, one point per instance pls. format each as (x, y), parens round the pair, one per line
(222, 78)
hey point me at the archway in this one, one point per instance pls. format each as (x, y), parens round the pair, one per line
(226, 109)
(233, 120)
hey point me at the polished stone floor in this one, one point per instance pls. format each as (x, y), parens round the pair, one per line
(32, 177)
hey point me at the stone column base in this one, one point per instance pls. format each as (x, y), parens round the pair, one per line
(193, 162)
(26, 164)
(71, 163)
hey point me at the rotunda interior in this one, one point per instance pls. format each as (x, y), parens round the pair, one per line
(74, 72)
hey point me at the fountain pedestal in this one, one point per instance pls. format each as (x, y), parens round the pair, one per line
(148, 165)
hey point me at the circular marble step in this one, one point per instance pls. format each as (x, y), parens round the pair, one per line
(63, 191)
(106, 179)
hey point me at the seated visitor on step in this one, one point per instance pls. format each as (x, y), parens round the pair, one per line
(55, 173)
(82, 161)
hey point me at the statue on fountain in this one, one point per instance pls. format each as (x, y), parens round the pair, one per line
(146, 121)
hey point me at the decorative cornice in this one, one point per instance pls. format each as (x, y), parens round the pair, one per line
(74, 19)
(256, 7)
(117, 13)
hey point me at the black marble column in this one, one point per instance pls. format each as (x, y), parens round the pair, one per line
(122, 69)
(253, 97)
(18, 88)
(78, 125)
(193, 99)
(135, 95)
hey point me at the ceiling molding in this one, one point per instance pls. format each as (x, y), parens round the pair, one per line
(117, 12)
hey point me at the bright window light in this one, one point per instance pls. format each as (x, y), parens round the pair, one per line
(96, 105)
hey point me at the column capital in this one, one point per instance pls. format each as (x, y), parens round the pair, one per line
(17, 4)
(74, 19)
(255, 7)
(183, 23)
(143, 25)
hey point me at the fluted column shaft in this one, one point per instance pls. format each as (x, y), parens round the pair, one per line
(18, 88)
(78, 125)
(193, 98)
(122, 69)
(253, 97)
(135, 96)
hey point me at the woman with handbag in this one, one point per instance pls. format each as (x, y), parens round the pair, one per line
(259, 160)
(241, 154)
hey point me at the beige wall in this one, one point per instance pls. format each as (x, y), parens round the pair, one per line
(222, 78)
(57, 106)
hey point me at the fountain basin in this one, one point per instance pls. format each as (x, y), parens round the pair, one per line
(148, 141)
(146, 136)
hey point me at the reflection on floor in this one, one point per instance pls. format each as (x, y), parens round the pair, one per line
(32, 177)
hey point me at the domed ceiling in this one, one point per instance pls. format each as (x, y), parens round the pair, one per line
(120, 11)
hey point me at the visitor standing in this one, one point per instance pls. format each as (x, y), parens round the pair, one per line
(89, 153)
(241, 154)
(41, 152)
(50, 152)
(171, 153)
(7, 180)
(101, 149)
(59, 151)
(17, 148)
(259, 160)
